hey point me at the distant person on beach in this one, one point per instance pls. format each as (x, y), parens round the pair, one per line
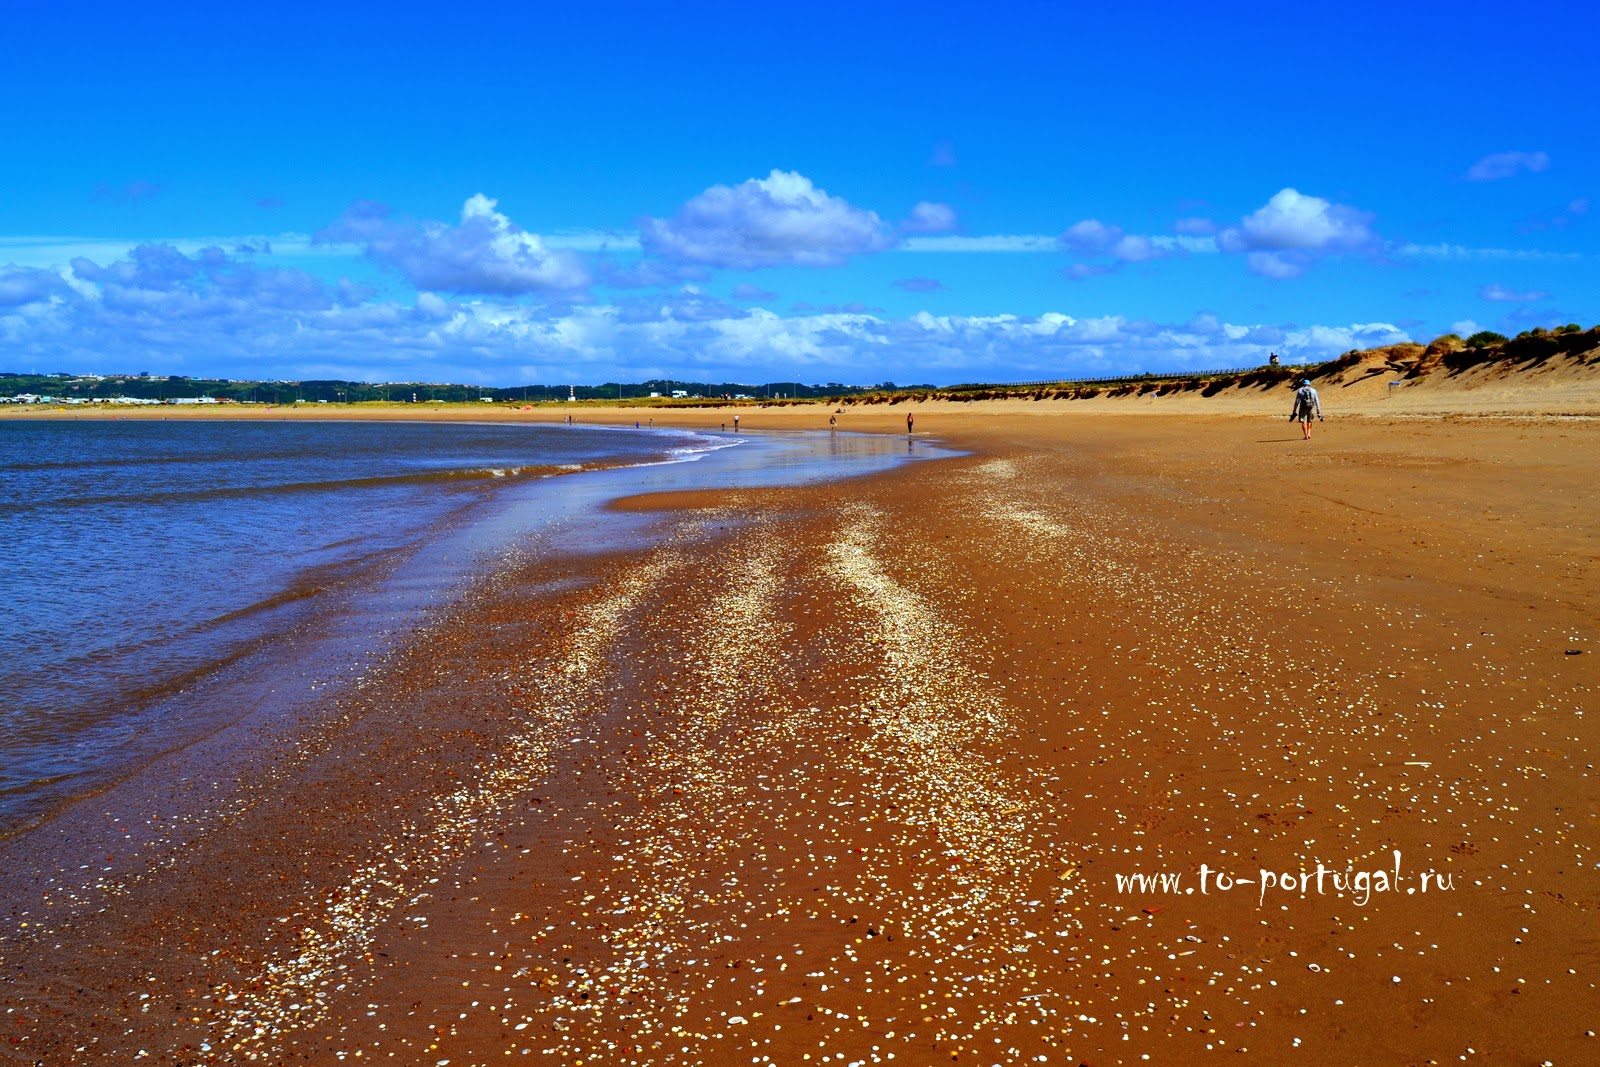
(1306, 407)
(736, 424)
(1272, 360)
(833, 422)
(911, 421)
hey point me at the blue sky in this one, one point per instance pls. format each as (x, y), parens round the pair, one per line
(919, 193)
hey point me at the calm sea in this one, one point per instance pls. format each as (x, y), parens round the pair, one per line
(142, 557)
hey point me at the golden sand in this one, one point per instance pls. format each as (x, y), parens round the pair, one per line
(862, 772)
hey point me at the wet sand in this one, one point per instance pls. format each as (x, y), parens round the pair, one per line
(848, 774)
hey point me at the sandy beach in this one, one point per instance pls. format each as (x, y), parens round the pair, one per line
(1131, 735)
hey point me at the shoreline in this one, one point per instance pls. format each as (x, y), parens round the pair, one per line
(884, 744)
(285, 674)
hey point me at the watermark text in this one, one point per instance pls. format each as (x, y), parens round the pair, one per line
(1357, 884)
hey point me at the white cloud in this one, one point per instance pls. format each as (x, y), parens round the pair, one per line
(1507, 165)
(46, 250)
(1273, 265)
(927, 217)
(1292, 230)
(1184, 243)
(746, 291)
(20, 286)
(1133, 248)
(1445, 250)
(592, 241)
(1090, 237)
(1294, 221)
(484, 253)
(999, 242)
(1500, 294)
(776, 221)
(153, 315)
(434, 306)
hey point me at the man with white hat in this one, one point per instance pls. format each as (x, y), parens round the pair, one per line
(1306, 407)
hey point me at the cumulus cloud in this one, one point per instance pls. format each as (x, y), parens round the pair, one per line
(781, 220)
(688, 304)
(210, 311)
(1507, 165)
(1294, 221)
(258, 324)
(1293, 230)
(1091, 237)
(646, 273)
(1133, 248)
(162, 280)
(1500, 294)
(928, 217)
(29, 285)
(483, 253)
(153, 265)
(1273, 265)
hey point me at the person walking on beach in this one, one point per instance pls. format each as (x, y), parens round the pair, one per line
(736, 424)
(833, 422)
(910, 422)
(1306, 407)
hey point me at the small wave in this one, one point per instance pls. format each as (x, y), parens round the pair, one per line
(704, 445)
(465, 476)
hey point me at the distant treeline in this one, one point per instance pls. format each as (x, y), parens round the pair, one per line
(178, 387)
(1451, 353)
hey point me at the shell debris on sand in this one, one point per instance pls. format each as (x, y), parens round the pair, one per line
(847, 774)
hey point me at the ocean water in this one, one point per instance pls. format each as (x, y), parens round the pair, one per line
(143, 557)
